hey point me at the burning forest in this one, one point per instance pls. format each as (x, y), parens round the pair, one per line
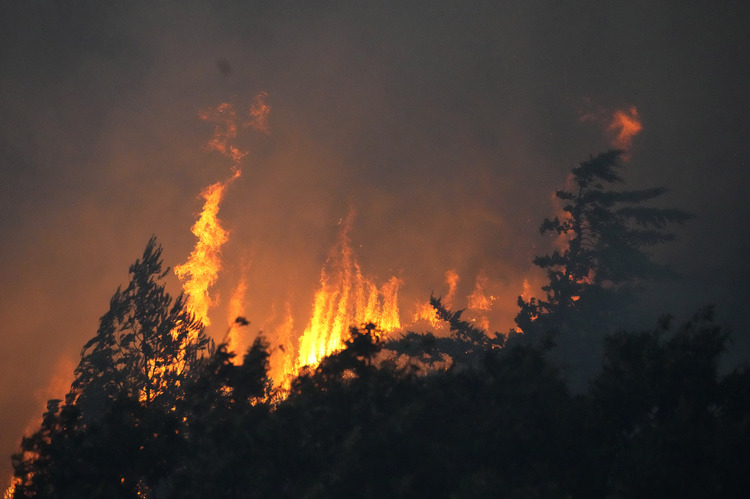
(373, 249)
(160, 409)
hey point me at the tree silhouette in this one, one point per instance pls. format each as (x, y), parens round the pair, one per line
(667, 421)
(145, 346)
(604, 236)
(150, 416)
(118, 427)
(464, 347)
(42, 466)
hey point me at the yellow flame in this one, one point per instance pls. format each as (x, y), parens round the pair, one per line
(388, 318)
(345, 298)
(202, 267)
(425, 312)
(8, 494)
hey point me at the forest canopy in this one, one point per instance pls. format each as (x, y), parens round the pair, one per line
(158, 410)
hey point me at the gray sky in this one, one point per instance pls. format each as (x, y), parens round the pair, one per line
(446, 126)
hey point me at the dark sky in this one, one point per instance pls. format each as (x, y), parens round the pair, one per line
(445, 126)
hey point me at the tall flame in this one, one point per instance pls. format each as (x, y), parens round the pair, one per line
(345, 298)
(202, 268)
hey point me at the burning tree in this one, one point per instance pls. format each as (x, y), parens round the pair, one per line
(146, 343)
(603, 236)
(119, 423)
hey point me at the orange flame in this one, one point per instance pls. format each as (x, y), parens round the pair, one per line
(225, 131)
(621, 125)
(625, 124)
(56, 388)
(478, 300)
(202, 268)
(388, 316)
(11, 490)
(425, 311)
(345, 298)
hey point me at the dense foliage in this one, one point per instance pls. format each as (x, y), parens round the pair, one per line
(659, 421)
(602, 238)
(156, 411)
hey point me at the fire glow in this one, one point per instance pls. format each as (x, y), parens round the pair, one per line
(620, 125)
(345, 296)
(202, 267)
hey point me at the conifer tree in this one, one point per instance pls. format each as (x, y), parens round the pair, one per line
(605, 234)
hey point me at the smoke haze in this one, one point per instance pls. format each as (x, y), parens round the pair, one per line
(445, 127)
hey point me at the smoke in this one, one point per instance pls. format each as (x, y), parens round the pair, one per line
(445, 128)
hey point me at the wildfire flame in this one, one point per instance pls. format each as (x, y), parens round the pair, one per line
(625, 124)
(202, 267)
(621, 125)
(225, 132)
(478, 300)
(10, 491)
(345, 297)
(425, 311)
